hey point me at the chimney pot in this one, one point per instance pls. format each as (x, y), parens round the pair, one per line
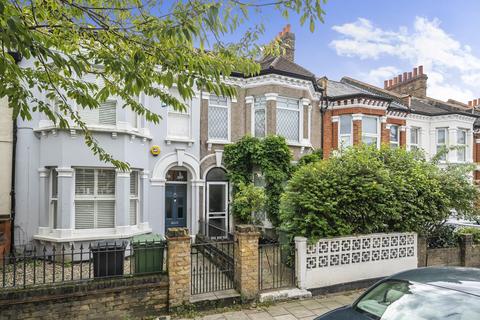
(395, 80)
(410, 75)
(385, 84)
(420, 70)
(287, 28)
(475, 102)
(470, 104)
(390, 82)
(405, 75)
(415, 72)
(400, 78)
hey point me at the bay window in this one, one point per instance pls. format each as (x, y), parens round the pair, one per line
(94, 198)
(105, 114)
(345, 135)
(370, 130)
(394, 136)
(414, 138)
(259, 117)
(441, 138)
(288, 118)
(461, 145)
(134, 197)
(218, 119)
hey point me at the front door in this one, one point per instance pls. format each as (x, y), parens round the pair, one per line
(175, 205)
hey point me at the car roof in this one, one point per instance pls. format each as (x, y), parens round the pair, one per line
(465, 280)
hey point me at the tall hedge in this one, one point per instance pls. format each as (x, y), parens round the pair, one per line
(366, 190)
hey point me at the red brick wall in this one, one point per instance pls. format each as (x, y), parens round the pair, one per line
(357, 132)
(5, 244)
(385, 135)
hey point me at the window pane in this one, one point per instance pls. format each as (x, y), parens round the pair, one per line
(134, 183)
(369, 125)
(219, 101)
(217, 123)
(288, 124)
(461, 137)
(133, 212)
(259, 123)
(108, 113)
(369, 140)
(462, 154)
(176, 175)
(346, 124)
(414, 135)
(216, 198)
(394, 133)
(169, 207)
(54, 183)
(106, 182)
(441, 136)
(105, 214)
(84, 181)
(216, 174)
(84, 213)
(345, 141)
(287, 103)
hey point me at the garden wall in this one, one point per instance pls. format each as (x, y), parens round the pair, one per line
(106, 299)
(465, 254)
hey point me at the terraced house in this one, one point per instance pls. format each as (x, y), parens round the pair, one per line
(64, 194)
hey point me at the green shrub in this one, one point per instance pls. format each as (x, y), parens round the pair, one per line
(248, 199)
(443, 236)
(475, 232)
(365, 190)
(313, 157)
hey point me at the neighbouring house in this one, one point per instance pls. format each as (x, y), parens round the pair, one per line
(66, 195)
(400, 114)
(6, 155)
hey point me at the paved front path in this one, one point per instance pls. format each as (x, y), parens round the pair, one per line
(291, 310)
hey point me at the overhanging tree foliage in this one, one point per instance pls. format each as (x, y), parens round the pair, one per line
(134, 46)
(365, 190)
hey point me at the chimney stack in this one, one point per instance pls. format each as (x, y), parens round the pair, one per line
(412, 83)
(474, 103)
(287, 39)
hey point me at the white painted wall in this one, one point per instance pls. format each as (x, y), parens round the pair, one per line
(6, 142)
(347, 259)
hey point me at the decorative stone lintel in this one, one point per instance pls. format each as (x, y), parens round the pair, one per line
(305, 101)
(403, 128)
(271, 96)
(249, 99)
(357, 117)
(388, 126)
(335, 118)
(64, 172)
(205, 95)
(383, 119)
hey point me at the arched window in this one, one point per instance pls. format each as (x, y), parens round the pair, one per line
(217, 174)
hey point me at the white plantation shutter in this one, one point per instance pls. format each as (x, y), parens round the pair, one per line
(108, 113)
(134, 197)
(105, 213)
(94, 198)
(84, 214)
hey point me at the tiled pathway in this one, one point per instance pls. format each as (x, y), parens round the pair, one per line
(291, 310)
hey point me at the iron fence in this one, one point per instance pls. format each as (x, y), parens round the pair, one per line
(275, 266)
(56, 264)
(212, 266)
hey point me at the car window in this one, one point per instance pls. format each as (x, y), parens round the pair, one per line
(400, 300)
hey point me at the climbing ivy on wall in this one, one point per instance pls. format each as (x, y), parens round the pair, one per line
(271, 156)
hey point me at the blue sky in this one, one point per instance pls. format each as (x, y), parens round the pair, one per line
(374, 40)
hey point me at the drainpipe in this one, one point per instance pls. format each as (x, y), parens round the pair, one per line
(12, 192)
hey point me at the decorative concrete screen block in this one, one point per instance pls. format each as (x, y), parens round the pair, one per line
(348, 259)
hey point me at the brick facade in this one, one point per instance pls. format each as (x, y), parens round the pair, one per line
(123, 298)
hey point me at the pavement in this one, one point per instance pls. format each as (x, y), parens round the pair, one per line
(290, 310)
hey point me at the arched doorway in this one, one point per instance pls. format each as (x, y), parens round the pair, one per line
(217, 203)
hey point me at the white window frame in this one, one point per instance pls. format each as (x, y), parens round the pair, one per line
(372, 135)
(437, 144)
(53, 214)
(415, 146)
(95, 197)
(349, 135)
(217, 215)
(254, 109)
(299, 139)
(228, 107)
(393, 143)
(186, 114)
(462, 147)
(135, 197)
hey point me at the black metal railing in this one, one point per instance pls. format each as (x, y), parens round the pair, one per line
(212, 266)
(55, 264)
(275, 266)
(214, 232)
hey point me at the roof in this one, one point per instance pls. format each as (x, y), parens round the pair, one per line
(465, 280)
(282, 65)
(432, 107)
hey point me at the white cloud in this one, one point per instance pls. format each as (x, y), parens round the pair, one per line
(452, 67)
